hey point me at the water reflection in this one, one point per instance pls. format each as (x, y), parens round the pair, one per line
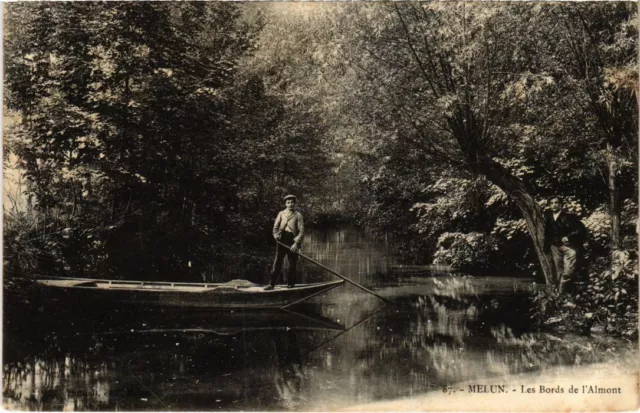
(56, 384)
(289, 374)
(345, 348)
(354, 253)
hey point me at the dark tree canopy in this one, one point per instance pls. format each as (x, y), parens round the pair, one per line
(162, 136)
(142, 131)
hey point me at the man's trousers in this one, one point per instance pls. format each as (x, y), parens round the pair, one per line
(287, 239)
(564, 258)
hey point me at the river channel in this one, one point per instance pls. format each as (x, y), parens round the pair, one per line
(342, 348)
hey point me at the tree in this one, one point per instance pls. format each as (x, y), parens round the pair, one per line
(457, 84)
(596, 52)
(143, 134)
(439, 78)
(283, 63)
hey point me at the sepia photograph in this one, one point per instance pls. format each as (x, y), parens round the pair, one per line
(320, 206)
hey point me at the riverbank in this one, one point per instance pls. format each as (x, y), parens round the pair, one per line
(610, 386)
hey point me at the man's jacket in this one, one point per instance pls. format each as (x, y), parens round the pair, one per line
(566, 225)
(293, 223)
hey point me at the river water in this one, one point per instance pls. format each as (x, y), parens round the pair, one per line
(343, 348)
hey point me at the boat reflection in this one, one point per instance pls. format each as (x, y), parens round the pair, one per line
(155, 360)
(234, 362)
(440, 330)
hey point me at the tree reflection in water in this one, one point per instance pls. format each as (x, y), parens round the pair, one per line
(419, 344)
(289, 371)
(66, 383)
(442, 329)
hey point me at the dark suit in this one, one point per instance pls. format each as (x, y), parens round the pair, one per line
(565, 255)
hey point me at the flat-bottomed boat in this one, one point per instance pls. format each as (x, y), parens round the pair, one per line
(240, 294)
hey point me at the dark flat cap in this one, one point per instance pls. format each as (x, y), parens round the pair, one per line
(290, 197)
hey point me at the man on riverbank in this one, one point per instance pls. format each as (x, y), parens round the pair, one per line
(564, 236)
(289, 230)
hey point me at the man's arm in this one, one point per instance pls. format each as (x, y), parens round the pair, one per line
(298, 239)
(276, 226)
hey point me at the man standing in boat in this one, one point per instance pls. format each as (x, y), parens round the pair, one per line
(289, 230)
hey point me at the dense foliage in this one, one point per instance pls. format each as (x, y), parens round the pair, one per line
(480, 113)
(494, 104)
(148, 147)
(158, 138)
(608, 299)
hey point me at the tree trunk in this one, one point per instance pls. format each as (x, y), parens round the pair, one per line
(531, 212)
(614, 199)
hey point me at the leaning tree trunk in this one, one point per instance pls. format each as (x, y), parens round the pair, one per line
(614, 199)
(531, 212)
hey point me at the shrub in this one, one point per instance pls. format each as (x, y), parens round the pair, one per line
(461, 251)
(608, 300)
(598, 225)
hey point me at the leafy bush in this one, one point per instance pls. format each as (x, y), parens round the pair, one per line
(470, 251)
(487, 251)
(598, 225)
(607, 300)
(614, 295)
(19, 253)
